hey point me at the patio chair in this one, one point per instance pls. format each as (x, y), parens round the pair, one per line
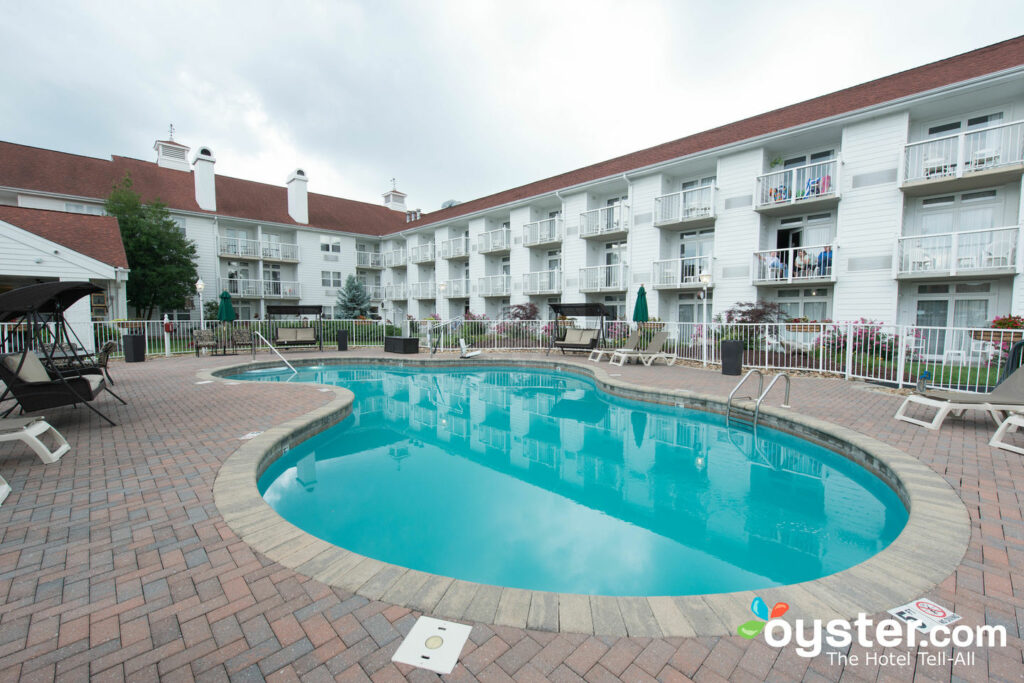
(34, 389)
(1010, 424)
(242, 338)
(204, 339)
(597, 355)
(653, 349)
(29, 430)
(1007, 397)
(103, 357)
(5, 489)
(466, 353)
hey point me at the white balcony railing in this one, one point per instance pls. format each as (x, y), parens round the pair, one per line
(678, 207)
(369, 259)
(375, 292)
(256, 289)
(799, 184)
(280, 251)
(548, 231)
(496, 285)
(422, 290)
(956, 156)
(604, 278)
(395, 292)
(495, 240)
(455, 289)
(954, 253)
(422, 253)
(543, 282)
(396, 258)
(604, 221)
(796, 264)
(681, 272)
(457, 247)
(236, 246)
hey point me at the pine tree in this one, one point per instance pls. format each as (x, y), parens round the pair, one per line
(353, 301)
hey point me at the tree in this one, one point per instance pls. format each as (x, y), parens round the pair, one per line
(759, 311)
(353, 301)
(161, 258)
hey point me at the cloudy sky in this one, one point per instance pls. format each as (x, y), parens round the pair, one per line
(454, 99)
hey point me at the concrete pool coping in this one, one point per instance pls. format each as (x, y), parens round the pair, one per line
(928, 549)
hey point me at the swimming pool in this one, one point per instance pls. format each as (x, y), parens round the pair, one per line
(536, 479)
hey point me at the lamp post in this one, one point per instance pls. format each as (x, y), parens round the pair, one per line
(705, 280)
(200, 286)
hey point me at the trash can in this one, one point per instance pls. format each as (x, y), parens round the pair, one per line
(732, 357)
(134, 348)
(343, 340)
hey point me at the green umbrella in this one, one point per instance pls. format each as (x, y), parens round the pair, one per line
(640, 308)
(226, 312)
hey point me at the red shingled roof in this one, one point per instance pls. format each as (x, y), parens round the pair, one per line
(32, 168)
(986, 60)
(95, 236)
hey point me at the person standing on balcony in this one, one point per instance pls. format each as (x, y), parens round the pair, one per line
(825, 262)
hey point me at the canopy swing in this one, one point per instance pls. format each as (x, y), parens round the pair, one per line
(50, 370)
(583, 310)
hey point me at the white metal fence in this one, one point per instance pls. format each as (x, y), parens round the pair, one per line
(961, 154)
(968, 359)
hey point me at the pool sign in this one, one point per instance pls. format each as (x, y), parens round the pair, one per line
(924, 615)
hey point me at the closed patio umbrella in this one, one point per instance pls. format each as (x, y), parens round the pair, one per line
(226, 312)
(640, 308)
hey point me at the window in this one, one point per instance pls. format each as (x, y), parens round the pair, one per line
(616, 303)
(180, 222)
(706, 181)
(976, 210)
(953, 127)
(330, 278)
(330, 247)
(810, 303)
(74, 207)
(692, 307)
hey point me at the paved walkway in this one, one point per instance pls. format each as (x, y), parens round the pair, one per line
(115, 564)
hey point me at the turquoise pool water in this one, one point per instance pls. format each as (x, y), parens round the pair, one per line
(536, 479)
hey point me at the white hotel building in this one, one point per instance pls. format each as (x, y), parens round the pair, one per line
(898, 200)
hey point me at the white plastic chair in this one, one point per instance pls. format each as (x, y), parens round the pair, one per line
(466, 353)
(29, 430)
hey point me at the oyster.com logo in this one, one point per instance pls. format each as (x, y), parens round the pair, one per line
(752, 629)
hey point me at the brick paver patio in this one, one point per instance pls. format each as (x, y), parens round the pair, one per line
(115, 563)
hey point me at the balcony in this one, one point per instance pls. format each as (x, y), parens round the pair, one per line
(455, 248)
(375, 292)
(496, 285)
(693, 208)
(396, 258)
(797, 264)
(236, 247)
(279, 251)
(990, 156)
(811, 187)
(543, 282)
(541, 233)
(693, 272)
(369, 259)
(422, 253)
(608, 221)
(455, 289)
(423, 290)
(260, 289)
(604, 278)
(495, 241)
(972, 252)
(395, 292)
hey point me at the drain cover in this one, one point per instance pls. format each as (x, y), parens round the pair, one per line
(250, 435)
(433, 644)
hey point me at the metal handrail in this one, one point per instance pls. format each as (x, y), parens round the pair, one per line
(760, 386)
(785, 402)
(271, 346)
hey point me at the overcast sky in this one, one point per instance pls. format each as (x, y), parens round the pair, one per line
(454, 99)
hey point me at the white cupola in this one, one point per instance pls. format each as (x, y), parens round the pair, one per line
(171, 154)
(393, 199)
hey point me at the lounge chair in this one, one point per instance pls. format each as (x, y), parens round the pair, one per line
(1010, 424)
(652, 351)
(5, 489)
(578, 340)
(34, 389)
(29, 430)
(466, 353)
(597, 355)
(1007, 397)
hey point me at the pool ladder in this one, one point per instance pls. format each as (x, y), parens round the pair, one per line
(762, 393)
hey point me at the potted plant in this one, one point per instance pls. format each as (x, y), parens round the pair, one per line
(1006, 329)
(803, 324)
(654, 323)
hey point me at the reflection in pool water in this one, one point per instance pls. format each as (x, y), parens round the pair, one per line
(535, 479)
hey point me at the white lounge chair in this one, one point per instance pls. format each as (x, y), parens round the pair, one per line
(647, 357)
(466, 353)
(1010, 424)
(29, 430)
(597, 355)
(5, 489)
(653, 349)
(1007, 397)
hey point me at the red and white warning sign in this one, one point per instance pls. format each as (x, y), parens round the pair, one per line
(924, 615)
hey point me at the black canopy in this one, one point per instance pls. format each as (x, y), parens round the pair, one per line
(294, 310)
(581, 310)
(46, 297)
